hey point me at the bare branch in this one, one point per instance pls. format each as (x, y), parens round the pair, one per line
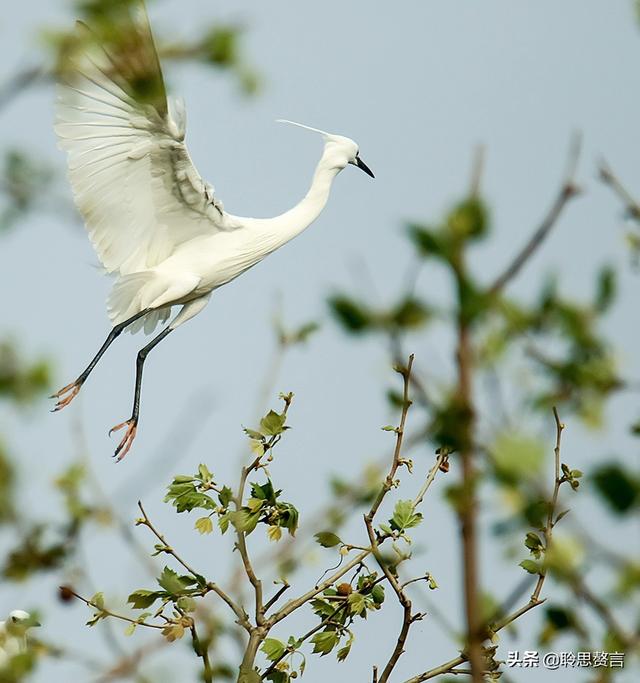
(272, 601)
(568, 191)
(611, 180)
(408, 618)
(396, 462)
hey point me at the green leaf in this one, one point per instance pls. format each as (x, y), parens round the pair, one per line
(265, 492)
(223, 521)
(186, 604)
(225, 496)
(377, 594)
(343, 652)
(244, 520)
(273, 648)
(617, 486)
(98, 600)
(404, 516)
(389, 428)
(272, 423)
(532, 541)
(274, 533)
(277, 676)
(357, 604)
(530, 566)
(173, 583)
(606, 289)
(130, 629)
(204, 473)
(410, 313)
(327, 539)
(141, 599)
(288, 517)
(253, 434)
(204, 525)
(355, 317)
(324, 642)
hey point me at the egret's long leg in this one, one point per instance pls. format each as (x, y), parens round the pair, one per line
(132, 423)
(68, 393)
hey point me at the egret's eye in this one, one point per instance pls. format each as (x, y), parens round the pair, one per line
(14, 619)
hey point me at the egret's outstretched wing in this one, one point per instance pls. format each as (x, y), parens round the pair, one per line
(133, 180)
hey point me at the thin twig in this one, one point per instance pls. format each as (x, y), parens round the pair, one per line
(202, 650)
(397, 461)
(327, 620)
(408, 617)
(609, 178)
(548, 529)
(109, 613)
(568, 191)
(272, 601)
(477, 170)
(241, 542)
(242, 617)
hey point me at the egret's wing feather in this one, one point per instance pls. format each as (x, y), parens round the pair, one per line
(133, 179)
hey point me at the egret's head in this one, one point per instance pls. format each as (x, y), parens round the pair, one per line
(19, 622)
(339, 150)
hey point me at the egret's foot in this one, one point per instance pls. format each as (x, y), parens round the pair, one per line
(66, 395)
(123, 447)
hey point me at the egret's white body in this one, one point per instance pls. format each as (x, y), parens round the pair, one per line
(153, 221)
(13, 635)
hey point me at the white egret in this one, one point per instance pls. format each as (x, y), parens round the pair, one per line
(13, 635)
(153, 221)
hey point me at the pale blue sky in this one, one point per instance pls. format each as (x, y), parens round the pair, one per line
(418, 87)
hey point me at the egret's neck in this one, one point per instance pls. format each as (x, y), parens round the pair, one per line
(286, 226)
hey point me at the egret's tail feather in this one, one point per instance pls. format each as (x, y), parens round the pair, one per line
(147, 289)
(133, 293)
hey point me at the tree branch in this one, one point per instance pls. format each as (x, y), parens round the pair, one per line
(107, 612)
(611, 180)
(397, 461)
(534, 600)
(567, 192)
(238, 610)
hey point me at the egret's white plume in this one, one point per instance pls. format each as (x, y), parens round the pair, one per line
(301, 125)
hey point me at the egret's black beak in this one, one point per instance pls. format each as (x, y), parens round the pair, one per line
(361, 165)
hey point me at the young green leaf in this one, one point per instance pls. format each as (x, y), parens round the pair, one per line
(173, 583)
(204, 525)
(273, 649)
(404, 516)
(142, 599)
(272, 423)
(324, 642)
(530, 566)
(327, 539)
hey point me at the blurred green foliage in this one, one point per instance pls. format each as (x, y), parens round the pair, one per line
(24, 182)
(561, 347)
